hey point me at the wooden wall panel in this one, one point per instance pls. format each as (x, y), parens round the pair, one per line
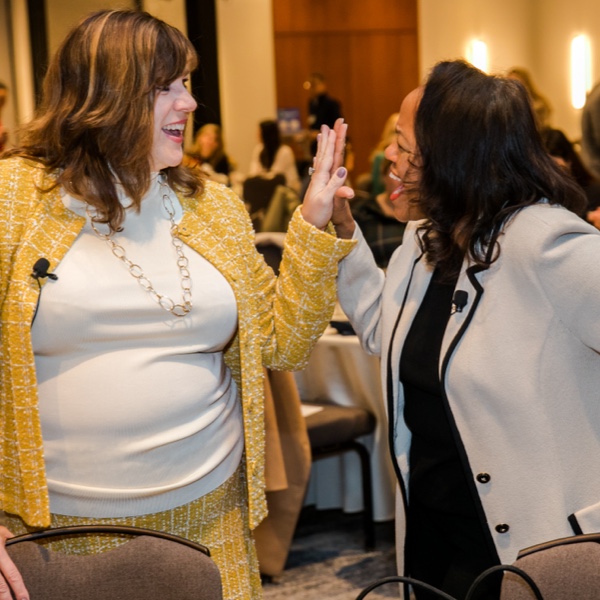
(367, 51)
(337, 15)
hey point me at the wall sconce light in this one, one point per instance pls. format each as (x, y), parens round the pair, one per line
(477, 54)
(581, 70)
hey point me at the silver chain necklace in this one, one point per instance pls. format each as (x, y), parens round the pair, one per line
(179, 310)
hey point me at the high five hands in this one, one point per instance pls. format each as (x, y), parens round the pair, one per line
(326, 198)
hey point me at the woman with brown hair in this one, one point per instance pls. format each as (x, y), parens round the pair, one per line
(136, 313)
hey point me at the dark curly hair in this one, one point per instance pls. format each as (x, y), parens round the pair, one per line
(482, 160)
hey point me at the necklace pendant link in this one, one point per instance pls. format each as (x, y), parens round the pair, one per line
(177, 310)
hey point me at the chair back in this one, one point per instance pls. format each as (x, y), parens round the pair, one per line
(563, 569)
(473, 593)
(257, 193)
(152, 566)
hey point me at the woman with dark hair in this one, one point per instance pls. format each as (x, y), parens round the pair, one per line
(270, 157)
(563, 151)
(136, 314)
(488, 324)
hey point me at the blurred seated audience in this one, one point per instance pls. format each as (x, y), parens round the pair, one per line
(270, 157)
(257, 193)
(590, 131)
(375, 217)
(378, 175)
(563, 150)
(208, 153)
(372, 182)
(280, 209)
(541, 105)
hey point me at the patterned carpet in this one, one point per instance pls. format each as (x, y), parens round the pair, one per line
(328, 560)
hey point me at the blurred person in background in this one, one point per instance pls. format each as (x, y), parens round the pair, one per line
(590, 131)
(323, 109)
(541, 105)
(376, 218)
(377, 157)
(208, 153)
(564, 151)
(271, 157)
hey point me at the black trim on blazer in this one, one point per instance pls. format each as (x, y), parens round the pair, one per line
(471, 272)
(392, 413)
(575, 524)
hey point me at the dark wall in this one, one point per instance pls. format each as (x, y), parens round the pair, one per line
(202, 31)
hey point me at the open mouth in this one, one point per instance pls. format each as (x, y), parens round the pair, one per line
(174, 132)
(396, 193)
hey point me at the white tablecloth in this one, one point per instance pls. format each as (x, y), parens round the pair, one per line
(339, 370)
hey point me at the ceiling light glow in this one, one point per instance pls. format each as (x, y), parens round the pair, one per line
(477, 54)
(581, 70)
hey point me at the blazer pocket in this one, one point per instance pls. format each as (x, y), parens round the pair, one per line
(586, 520)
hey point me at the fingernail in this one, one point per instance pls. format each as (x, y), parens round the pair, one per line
(341, 172)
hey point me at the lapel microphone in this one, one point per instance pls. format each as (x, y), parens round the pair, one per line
(40, 270)
(459, 301)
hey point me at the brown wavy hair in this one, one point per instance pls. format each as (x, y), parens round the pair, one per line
(94, 125)
(482, 160)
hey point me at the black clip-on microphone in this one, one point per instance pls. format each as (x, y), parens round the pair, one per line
(40, 270)
(459, 301)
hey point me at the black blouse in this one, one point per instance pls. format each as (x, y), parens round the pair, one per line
(437, 478)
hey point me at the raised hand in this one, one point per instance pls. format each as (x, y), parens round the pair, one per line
(326, 198)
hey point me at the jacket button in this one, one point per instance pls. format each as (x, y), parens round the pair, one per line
(483, 478)
(502, 528)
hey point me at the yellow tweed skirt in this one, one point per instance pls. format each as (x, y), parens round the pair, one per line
(218, 520)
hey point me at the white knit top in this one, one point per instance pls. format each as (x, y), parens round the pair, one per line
(139, 412)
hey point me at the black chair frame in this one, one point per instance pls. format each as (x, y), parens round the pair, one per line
(416, 583)
(367, 492)
(95, 529)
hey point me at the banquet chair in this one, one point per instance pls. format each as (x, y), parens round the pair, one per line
(334, 430)
(151, 566)
(257, 192)
(562, 569)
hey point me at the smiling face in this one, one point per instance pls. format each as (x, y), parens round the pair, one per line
(172, 105)
(403, 153)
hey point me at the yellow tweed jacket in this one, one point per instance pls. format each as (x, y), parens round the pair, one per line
(279, 319)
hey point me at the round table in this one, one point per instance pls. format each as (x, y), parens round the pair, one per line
(340, 371)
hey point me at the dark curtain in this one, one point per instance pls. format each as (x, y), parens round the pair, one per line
(39, 43)
(202, 32)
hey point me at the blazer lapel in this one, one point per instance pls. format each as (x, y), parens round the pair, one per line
(469, 282)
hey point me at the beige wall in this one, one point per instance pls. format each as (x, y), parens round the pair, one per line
(247, 73)
(534, 34)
